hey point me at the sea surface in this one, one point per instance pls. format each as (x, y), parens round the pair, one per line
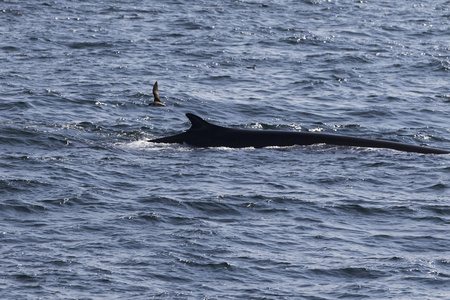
(89, 209)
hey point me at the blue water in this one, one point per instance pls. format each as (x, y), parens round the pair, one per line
(90, 210)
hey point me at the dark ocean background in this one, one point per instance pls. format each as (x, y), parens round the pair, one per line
(90, 210)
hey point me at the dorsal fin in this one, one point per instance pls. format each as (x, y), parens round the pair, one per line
(198, 123)
(155, 92)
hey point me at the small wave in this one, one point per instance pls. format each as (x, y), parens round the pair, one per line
(350, 272)
(213, 265)
(17, 185)
(214, 208)
(438, 209)
(10, 48)
(150, 217)
(85, 45)
(21, 208)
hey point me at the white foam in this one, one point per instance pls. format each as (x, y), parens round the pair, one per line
(144, 144)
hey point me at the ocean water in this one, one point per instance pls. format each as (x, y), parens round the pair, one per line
(89, 209)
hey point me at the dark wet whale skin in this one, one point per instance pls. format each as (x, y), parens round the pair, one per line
(204, 134)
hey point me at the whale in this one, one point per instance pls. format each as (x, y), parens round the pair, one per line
(156, 99)
(204, 134)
